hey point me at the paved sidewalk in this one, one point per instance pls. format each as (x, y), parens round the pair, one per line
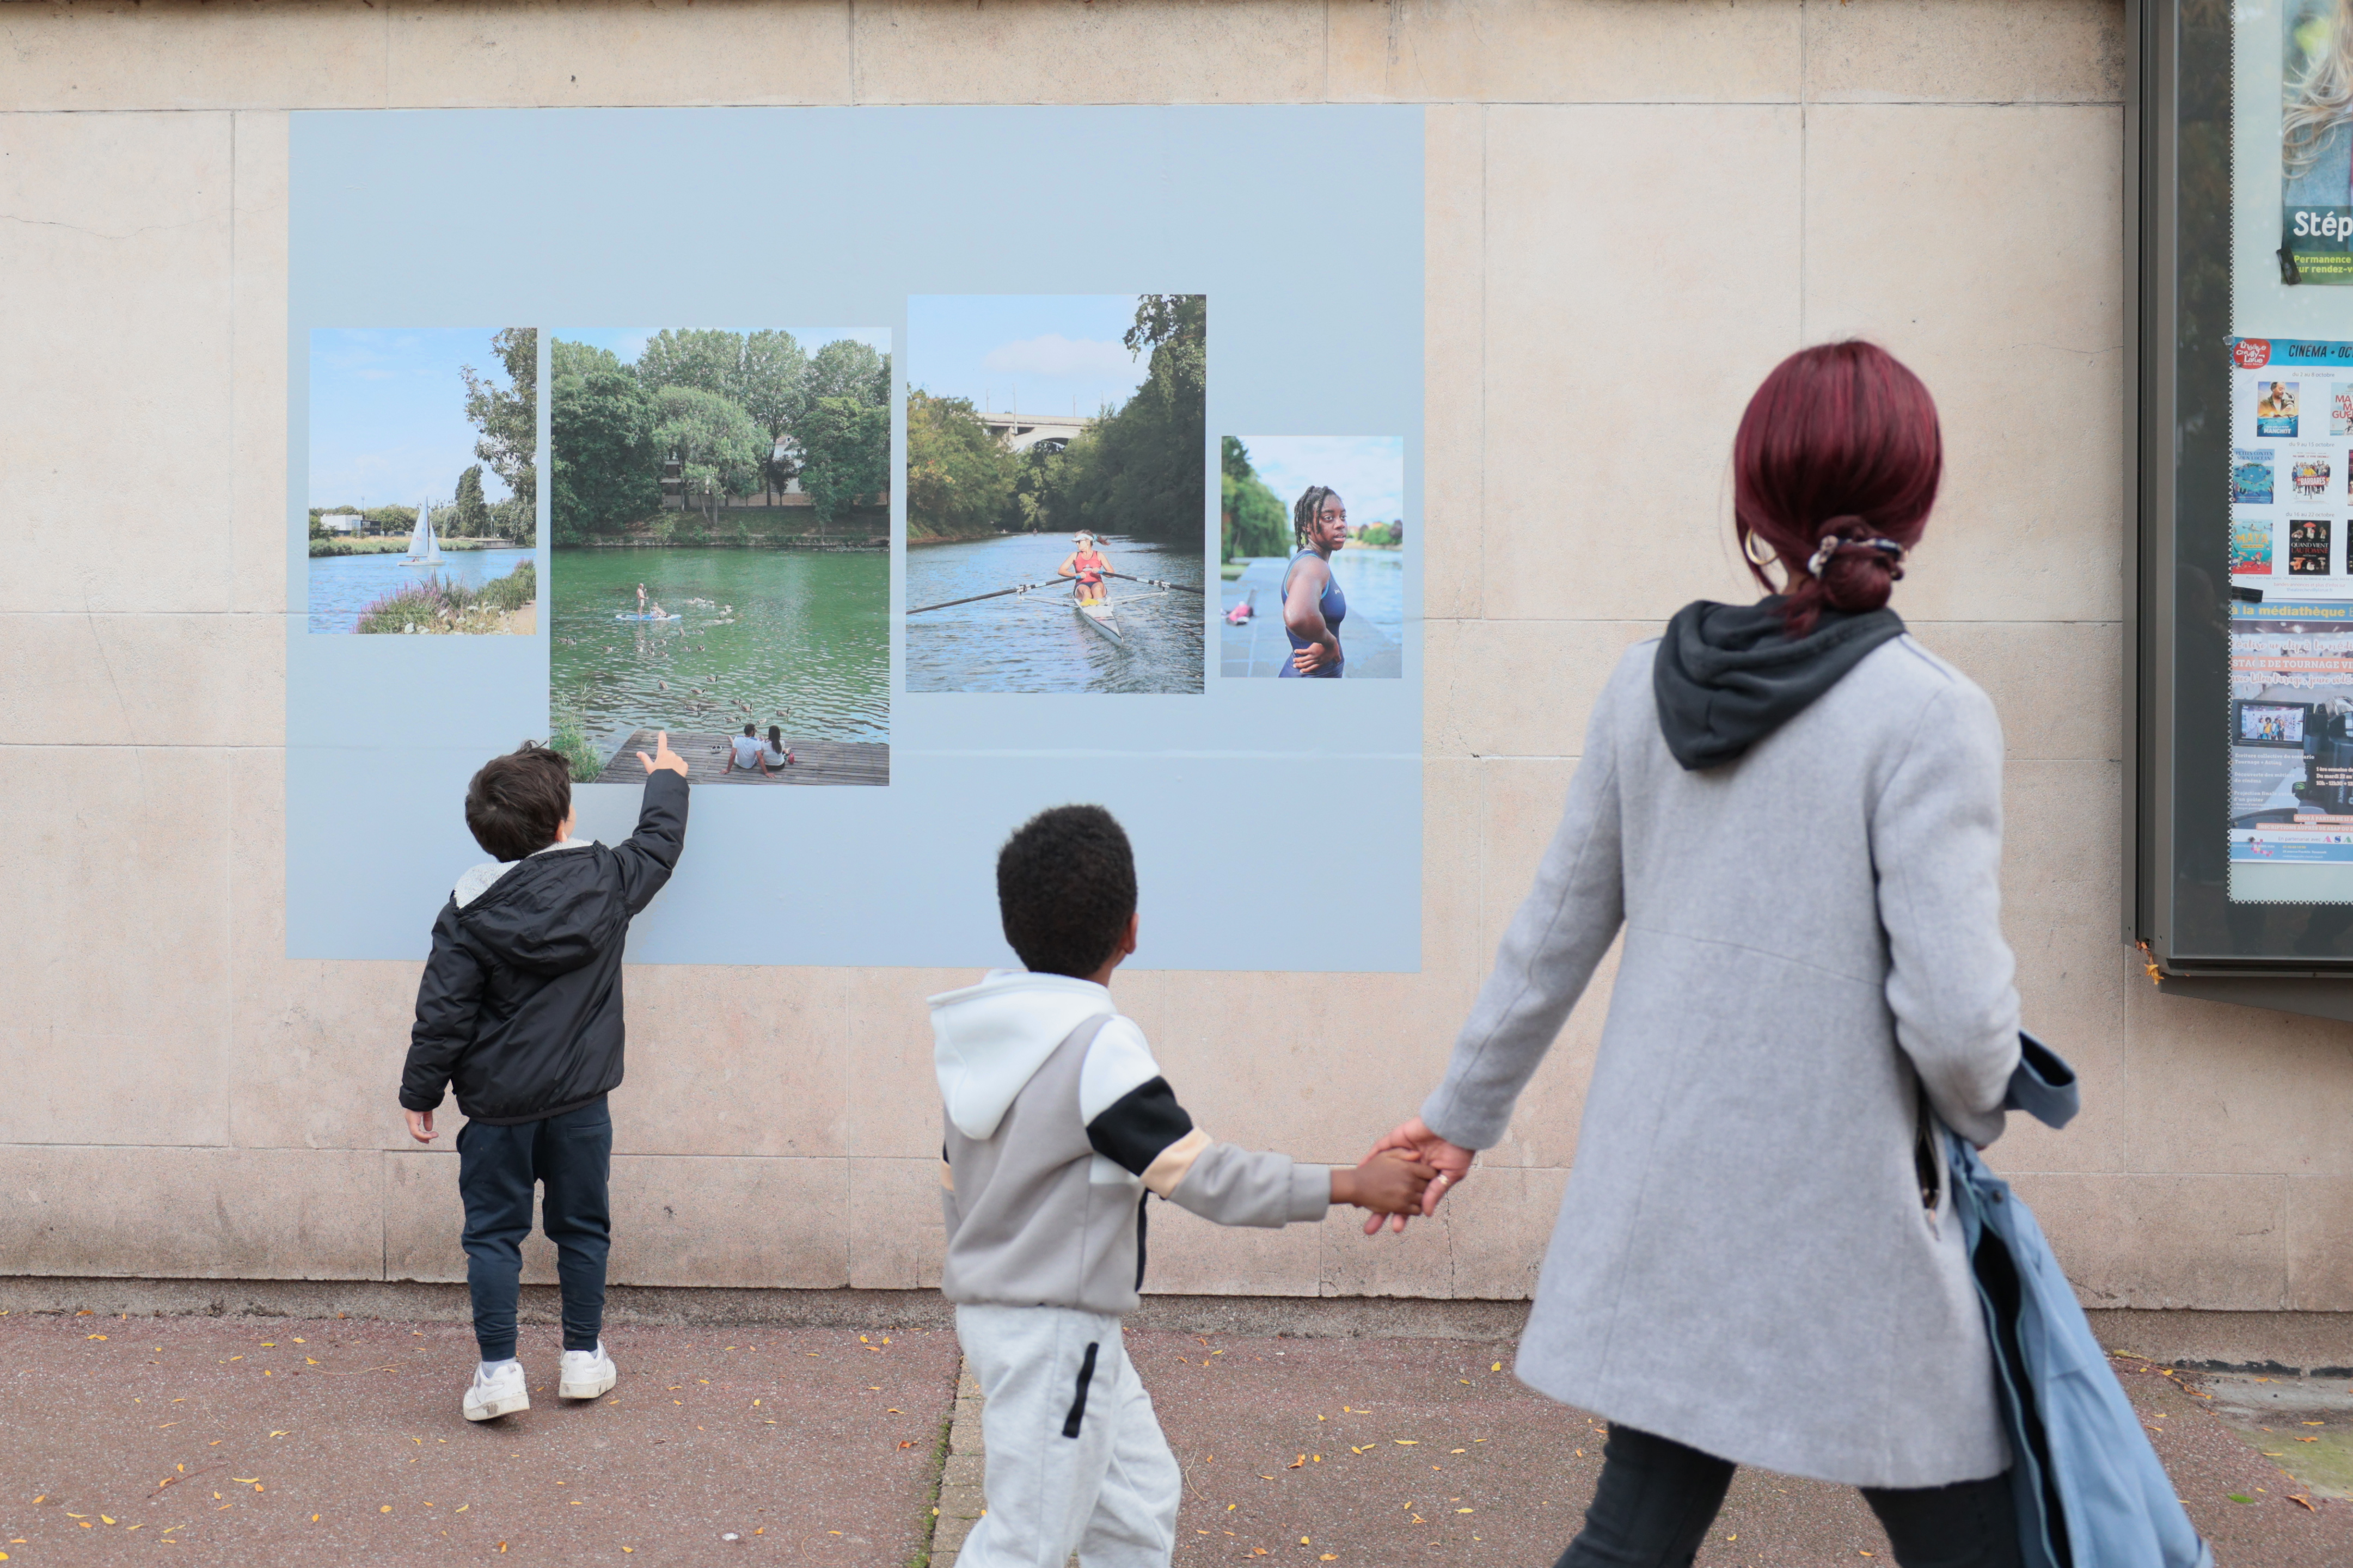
(340, 1441)
(257, 1441)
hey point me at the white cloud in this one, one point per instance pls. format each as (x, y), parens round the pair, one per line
(1368, 471)
(1055, 354)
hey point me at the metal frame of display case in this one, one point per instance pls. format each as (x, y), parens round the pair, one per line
(2295, 958)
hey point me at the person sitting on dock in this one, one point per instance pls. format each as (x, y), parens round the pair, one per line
(743, 751)
(777, 754)
(1088, 566)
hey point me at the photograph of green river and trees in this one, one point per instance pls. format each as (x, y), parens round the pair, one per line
(1057, 492)
(720, 502)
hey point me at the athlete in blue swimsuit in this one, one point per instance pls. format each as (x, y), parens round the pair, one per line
(1313, 605)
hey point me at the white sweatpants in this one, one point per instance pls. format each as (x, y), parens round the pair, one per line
(1076, 1460)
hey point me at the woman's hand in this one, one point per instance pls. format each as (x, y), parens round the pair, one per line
(1450, 1161)
(1316, 656)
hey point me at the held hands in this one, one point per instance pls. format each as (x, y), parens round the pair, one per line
(420, 1124)
(663, 756)
(1386, 1184)
(1415, 1140)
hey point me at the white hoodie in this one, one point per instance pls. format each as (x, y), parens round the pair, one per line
(1058, 1123)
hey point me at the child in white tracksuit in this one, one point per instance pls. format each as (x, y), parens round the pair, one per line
(1057, 1125)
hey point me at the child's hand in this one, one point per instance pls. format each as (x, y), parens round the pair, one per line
(1387, 1183)
(663, 756)
(420, 1124)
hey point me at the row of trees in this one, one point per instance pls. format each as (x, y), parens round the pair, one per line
(740, 414)
(1135, 470)
(469, 515)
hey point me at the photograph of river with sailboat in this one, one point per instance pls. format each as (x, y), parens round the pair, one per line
(423, 484)
(1057, 514)
(720, 569)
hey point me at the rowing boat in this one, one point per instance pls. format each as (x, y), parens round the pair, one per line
(1098, 615)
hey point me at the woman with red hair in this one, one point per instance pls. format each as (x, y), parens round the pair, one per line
(1793, 812)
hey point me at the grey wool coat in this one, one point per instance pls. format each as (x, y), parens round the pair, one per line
(1743, 1262)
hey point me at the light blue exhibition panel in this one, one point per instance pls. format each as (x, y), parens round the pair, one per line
(1277, 823)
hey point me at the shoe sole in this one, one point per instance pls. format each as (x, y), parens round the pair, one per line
(595, 1388)
(497, 1408)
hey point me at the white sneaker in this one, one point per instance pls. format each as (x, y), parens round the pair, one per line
(497, 1391)
(584, 1375)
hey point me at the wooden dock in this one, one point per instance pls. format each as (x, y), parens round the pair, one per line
(705, 754)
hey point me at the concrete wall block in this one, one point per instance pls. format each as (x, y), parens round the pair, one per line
(1500, 1223)
(1575, 475)
(1420, 1262)
(2214, 1087)
(1583, 51)
(540, 53)
(2023, 286)
(206, 1214)
(2057, 685)
(743, 1222)
(1053, 51)
(192, 54)
(112, 679)
(1983, 51)
(898, 1236)
(116, 924)
(2213, 1242)
(257, 282)
(733, 1060)
(1522, 688)
(117, 260)
(2319, 1264)
(1454, 282)
(1187, 1256)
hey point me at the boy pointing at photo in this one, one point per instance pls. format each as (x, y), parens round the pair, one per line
(520, 1011)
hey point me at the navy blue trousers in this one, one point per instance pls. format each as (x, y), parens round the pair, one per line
(1657, 1497)
(572, 1156)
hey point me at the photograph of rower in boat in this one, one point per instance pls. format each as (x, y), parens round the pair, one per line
(1312, 557)
(1057, 499)
(720, 502)
(423, 509)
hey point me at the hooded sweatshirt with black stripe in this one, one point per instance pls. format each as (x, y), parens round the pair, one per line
(1057, 1125)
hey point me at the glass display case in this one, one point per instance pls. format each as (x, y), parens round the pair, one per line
(2238, 137)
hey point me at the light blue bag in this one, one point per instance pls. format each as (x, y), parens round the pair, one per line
(2091, 1492)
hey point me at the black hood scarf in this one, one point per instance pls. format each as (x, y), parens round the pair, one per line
(1729, 675)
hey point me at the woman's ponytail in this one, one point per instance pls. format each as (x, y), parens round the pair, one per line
(1834, 470)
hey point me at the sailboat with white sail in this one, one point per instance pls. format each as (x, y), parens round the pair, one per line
(424, 549)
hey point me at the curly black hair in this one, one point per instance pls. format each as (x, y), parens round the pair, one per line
(1307, 508)
(1065, 888)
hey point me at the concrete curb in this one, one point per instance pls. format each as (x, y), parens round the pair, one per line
(961, 1502)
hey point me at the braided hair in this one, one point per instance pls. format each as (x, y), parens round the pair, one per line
(1307, 510)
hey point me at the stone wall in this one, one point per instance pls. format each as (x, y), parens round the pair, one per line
(1618, 189)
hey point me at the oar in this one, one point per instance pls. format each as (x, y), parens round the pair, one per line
(1017, 588)
(1154, 581)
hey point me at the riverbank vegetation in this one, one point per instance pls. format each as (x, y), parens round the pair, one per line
(710, 418)
(1135, 470)
(438, 607)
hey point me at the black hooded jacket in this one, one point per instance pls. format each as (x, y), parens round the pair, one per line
(520, 1009)
(1727, 676)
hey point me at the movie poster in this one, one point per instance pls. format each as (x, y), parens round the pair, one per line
(2291, 625)
(2316, 144)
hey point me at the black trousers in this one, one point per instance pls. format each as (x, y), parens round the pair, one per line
(572, 1155)
(1657, 1498)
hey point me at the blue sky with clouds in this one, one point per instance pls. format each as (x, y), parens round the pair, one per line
(1049, 353)
(1368, 471)
(388, 415)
